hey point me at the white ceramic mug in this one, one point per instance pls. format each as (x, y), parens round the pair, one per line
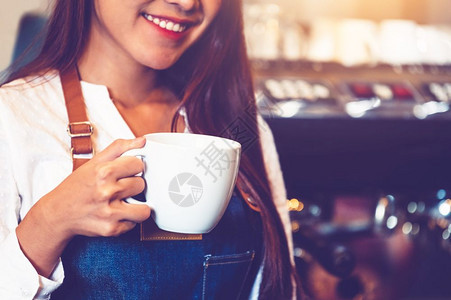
(189, 179)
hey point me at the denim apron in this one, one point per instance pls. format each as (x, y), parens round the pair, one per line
(223, 265)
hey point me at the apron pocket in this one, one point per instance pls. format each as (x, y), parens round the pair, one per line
(225, 275)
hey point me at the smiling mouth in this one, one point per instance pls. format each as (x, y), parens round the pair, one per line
(167, 24)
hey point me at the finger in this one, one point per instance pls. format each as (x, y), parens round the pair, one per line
(128, 225)
(122, 167)
(130, 186)
(125, 226)
(114, 229)
(133, 212)
(118, 147)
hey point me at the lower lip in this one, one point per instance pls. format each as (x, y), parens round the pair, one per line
(168, 33)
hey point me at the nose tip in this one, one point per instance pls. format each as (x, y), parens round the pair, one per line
(187, 5)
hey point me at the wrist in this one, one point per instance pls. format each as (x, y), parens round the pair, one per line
(40, 240)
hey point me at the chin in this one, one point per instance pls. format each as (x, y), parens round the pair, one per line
(160, 67)
(159, 63)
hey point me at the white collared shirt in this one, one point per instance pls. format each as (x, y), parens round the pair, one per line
(35, 157)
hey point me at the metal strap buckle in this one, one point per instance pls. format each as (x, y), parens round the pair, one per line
(81, 134)
(81, 155)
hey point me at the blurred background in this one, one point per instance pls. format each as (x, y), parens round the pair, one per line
(357, 94)
(10, 16)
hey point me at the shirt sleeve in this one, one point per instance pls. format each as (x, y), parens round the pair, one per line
(18, 277)
(275, 177)
(279, 194)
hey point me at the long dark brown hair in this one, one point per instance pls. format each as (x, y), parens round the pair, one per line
(214, 82)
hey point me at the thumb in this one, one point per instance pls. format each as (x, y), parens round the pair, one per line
(118, 147)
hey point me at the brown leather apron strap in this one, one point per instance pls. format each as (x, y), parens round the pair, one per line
(79, 129)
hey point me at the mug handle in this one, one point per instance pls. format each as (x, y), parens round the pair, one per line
(131, 200)
(137, 153)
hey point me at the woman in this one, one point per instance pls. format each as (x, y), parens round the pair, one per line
(146, 66)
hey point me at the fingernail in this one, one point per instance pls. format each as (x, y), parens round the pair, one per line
(140, 139)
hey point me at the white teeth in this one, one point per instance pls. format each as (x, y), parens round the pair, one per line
(168, 25)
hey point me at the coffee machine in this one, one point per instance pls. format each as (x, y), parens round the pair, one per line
(362, 125)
